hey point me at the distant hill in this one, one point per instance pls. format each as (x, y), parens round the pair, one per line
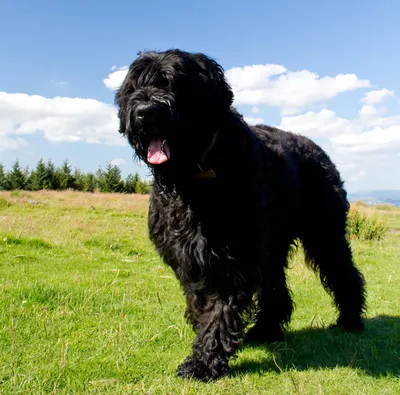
(376, 197)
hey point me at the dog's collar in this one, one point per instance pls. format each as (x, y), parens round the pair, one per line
(209, 173)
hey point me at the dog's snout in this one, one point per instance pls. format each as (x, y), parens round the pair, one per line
(147, 112)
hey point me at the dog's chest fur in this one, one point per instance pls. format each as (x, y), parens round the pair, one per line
(199, 236)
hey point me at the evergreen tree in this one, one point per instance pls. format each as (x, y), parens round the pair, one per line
(47, 176)
(145, 187)
(30, 180)
(16, 177)
(130, 184)
(89, 182)
(63, 176)
(111, 180)
(4, 184)
(141, 186)
(100, 178)
(27, 177)
(50, 181)
(38, 176)
(136, 182)
(79, 180)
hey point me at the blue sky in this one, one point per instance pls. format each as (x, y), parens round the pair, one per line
(66, 49)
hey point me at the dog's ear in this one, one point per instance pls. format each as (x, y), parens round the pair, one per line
(213, 86)
(128, 86)
(123, 127)
(119, 103)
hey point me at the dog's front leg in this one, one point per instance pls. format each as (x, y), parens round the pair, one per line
(220, 329)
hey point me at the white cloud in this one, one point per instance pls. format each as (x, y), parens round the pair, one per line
(11, 144)
(60, 119)
(273, 85)
(61, 83)
(118, 162)
(324, 123)
(253, 77)
(374, 116)
(291, 91)
(115, 79)
(255, 110)
(358, 176)
(370, 130)
(375, 140)
(369, 141)
(253, 120)
(375, 97)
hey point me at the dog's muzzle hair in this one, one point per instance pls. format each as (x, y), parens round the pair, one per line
(149, 112)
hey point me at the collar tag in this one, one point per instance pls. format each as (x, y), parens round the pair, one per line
(207, 174)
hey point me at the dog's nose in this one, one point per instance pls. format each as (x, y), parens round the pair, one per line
(147, 112)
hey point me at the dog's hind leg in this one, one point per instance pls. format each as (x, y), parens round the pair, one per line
(220, 329)
(328, 253)
(274, 304)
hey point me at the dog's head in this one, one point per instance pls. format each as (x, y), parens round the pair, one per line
(170, 105)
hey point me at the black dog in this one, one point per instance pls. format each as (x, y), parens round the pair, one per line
(227, 204)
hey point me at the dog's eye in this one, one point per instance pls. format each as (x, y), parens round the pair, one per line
(161, 100)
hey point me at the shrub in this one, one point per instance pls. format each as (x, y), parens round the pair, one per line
(364, 227)
(4, 204)
(386, 207)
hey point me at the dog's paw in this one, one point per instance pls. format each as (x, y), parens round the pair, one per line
(262, 335)
(349, 325)
(198, 370)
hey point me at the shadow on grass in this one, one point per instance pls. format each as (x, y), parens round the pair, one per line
(376, 351)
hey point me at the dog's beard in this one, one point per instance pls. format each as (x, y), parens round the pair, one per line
(153, 147)
(173, 145)
(151, 141)
(172, 154)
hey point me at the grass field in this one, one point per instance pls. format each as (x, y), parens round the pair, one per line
(86, 306)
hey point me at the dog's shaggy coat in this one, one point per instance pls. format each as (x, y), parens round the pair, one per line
(227, 204)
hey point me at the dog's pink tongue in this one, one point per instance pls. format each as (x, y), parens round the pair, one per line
(155, 153)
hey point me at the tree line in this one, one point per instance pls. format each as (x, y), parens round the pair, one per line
(48, 176)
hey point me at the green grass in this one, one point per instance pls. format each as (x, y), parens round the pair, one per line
(87, 306)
